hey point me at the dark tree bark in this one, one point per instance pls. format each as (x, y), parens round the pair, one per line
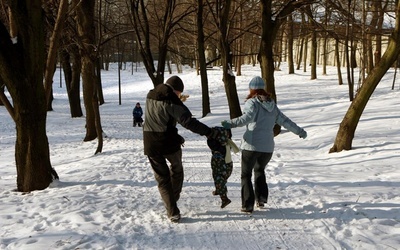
(226, 58)
(71, 64)
(338, 65)
(314, 44)
(52, 53)
(146, 37)
(99, 84)
(313, 59)
(345, 135)
(290, 44)
(88, 51)
(21, 70)
(270, 26)
(202, 60)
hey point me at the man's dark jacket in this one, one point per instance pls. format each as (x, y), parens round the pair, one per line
(163, 110)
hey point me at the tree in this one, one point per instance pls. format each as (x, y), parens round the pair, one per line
(271, 23)
(154, 22)
(345, 135)
(71, 64)
(202, 59)
(21, 70)
(314, 44)
(52, 52)
(289, 28)
(270, 28)
(88, 51)
(222, 10)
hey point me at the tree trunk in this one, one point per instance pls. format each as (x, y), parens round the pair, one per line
(313, 59)
(345, 135)
(338, 65)
(99, 84)
(324, 54)
(303, 37)
(72, 74)
(239, 59)
(300, 53)
(290, 44)
(52, 53)
(21, 70)
(86, 30)
(142, 25)
(348, 61)
(226, 57)
(314, 44)
(202, 60)
(270, 27)
(305, 54)
(266, 48)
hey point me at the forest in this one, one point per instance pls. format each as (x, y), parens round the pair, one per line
(84, 37)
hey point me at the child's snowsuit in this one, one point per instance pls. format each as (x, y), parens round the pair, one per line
(137, 115)
(221, 163)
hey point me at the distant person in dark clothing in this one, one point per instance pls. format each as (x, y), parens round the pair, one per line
(137, 115)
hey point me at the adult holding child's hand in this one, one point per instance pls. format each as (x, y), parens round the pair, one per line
(260, 115)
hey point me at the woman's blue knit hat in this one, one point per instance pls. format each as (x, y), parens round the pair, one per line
(257, 83)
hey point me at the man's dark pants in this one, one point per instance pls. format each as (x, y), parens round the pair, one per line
(169, 179)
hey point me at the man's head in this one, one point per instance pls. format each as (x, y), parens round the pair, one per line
(176, 83)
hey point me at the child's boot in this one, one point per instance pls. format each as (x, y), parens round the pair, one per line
(225, 201)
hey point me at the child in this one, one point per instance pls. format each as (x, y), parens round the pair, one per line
(137, 115)
(221, 163)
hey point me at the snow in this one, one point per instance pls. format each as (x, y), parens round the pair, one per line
(346, 200)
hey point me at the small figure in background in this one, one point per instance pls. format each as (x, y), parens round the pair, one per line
(137, 115)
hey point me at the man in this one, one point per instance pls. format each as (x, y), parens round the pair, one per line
(162, 143)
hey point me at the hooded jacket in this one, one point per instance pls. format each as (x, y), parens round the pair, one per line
(163, 111)
(260, 115)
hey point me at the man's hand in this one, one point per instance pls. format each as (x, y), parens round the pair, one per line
(216, 135)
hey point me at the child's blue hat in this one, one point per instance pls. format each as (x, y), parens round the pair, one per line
(257, 83)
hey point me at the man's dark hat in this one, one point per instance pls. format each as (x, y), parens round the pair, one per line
(176, 83)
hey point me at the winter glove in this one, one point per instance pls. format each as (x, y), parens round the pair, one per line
(303, 134)
(226, 124)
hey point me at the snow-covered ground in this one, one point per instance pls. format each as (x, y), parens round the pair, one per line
(347, 200)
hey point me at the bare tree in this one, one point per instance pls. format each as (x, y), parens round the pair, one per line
(88, 51)
(221, 15)
(270, 27)
(71, 64)
(202, 59)
(52, 52)
(154, 22)
(314, 43)
(21, 70)
(345, 135)
(271, 23)
(290, 28)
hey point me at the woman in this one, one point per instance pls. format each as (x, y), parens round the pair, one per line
(260, 116)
